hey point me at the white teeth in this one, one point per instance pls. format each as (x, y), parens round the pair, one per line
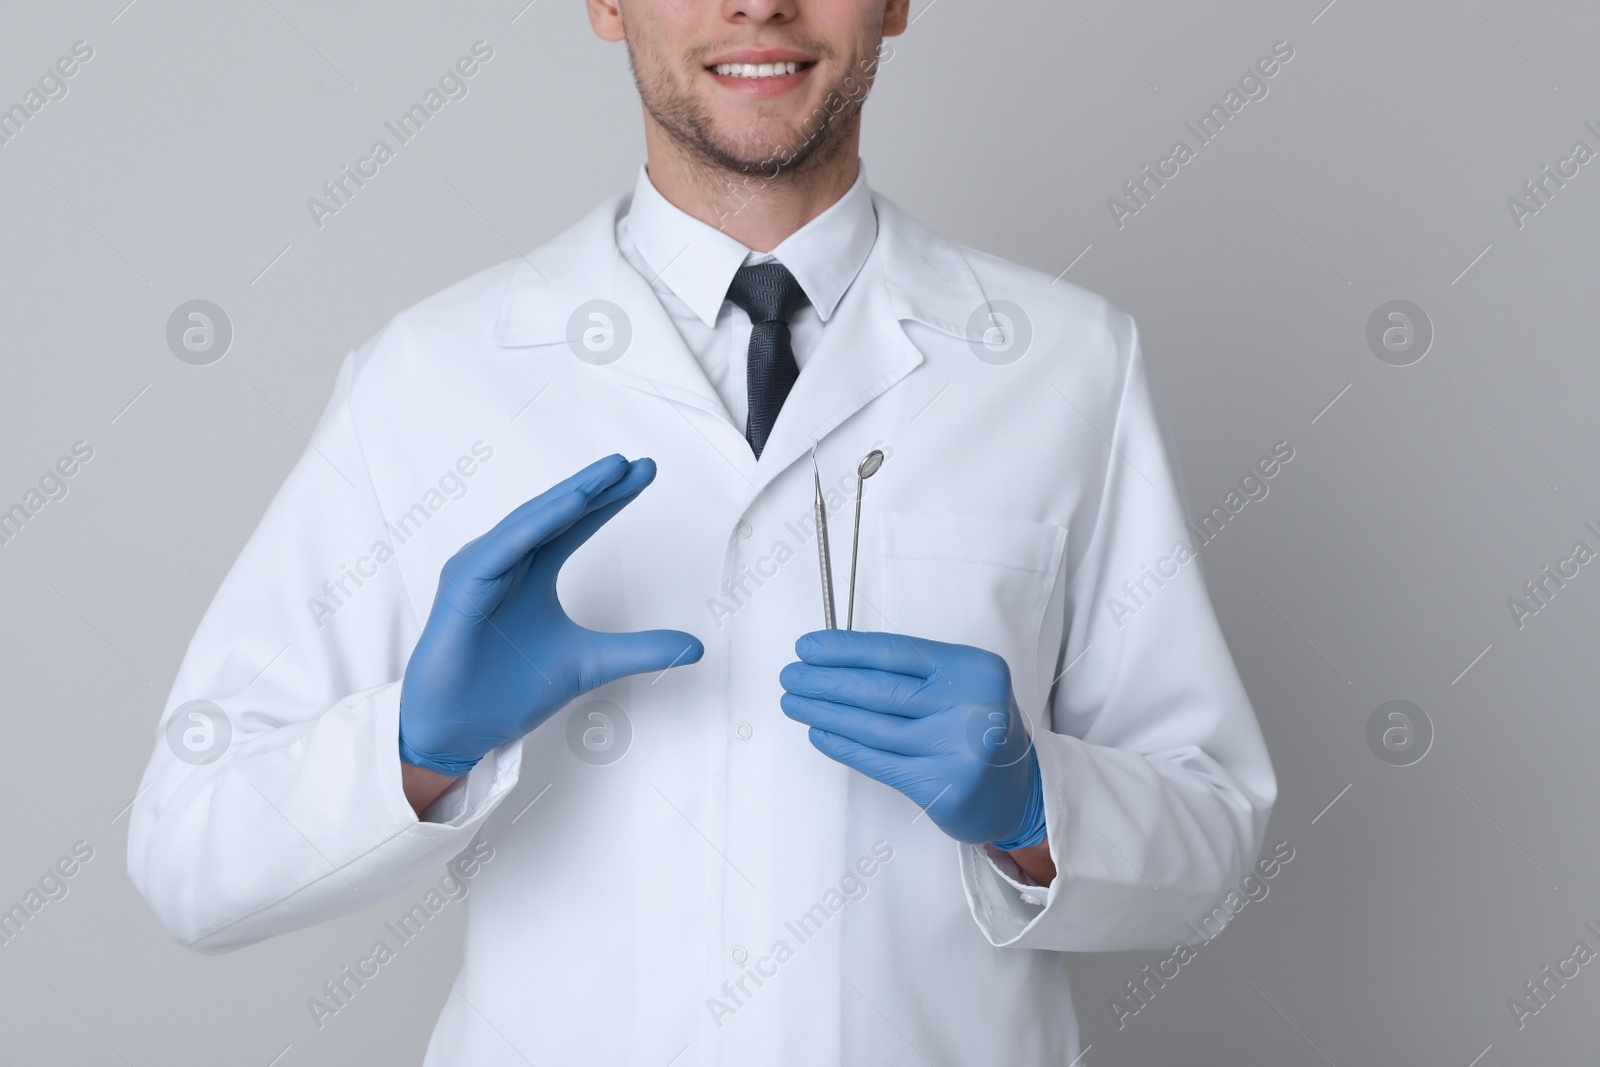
(751, 70)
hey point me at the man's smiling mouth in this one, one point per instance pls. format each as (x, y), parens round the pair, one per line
(761, 70)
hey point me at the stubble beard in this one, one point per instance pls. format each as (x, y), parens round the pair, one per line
(798, 151)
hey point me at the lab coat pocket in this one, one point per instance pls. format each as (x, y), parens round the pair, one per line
(978, 580)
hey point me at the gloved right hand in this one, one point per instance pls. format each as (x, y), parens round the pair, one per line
(498, 655)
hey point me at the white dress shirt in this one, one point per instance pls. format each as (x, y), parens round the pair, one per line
(690, 265)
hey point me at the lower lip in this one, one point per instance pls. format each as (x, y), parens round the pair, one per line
(763, 87)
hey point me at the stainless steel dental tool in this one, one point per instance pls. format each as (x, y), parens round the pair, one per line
(828, 615)
(869, 466)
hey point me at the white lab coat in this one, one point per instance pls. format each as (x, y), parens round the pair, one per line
(722, 847)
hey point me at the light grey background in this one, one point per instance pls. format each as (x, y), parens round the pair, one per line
(1379, 567)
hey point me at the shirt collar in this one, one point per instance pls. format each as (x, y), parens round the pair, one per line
(698, 262)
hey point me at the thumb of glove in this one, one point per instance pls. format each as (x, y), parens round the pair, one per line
(619, 655)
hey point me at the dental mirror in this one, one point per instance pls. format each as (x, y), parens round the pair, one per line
(869, 466)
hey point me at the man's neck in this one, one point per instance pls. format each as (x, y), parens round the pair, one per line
(757, 211)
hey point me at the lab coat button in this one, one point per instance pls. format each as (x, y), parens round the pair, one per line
(743, 730)
(1029, 898)
(738, 954)
(745, 530)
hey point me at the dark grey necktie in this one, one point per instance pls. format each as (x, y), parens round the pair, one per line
(770, 295)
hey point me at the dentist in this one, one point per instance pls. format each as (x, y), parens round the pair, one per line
(707, 832)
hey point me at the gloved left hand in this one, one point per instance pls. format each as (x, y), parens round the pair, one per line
(938, 722)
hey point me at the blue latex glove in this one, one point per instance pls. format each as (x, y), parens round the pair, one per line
(936, 721)
(499, 655)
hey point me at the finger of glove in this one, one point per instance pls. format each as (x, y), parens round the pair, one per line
(884, 767)
(886, 733)
(876, 691)
(604, 506)
(545, 516)
(612, 656)
(895, 653)
(903, 773)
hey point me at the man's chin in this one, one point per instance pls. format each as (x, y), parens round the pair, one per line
(767, 161)
(765, 145)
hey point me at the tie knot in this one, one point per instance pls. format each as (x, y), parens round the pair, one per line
(767, 292)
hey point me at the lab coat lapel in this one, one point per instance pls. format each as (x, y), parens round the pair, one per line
(863, 353)
(561, 285)
(912, 275)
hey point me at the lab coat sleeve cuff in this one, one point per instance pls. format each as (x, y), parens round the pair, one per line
(1015, 877)
(320, 869)
(1004, 901)
(461, 808)
(1125, 878)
